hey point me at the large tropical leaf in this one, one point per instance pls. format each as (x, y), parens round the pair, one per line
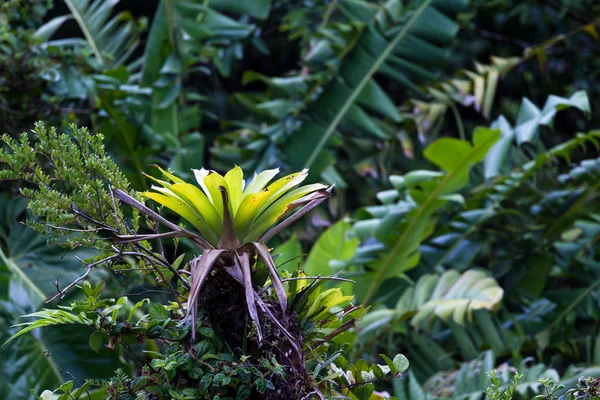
(404, 226)
(185, 33)
(112, 38)
(331, 250)
(449, 296)
(403, 46)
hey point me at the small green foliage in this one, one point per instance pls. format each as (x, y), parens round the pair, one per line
(67, 178)
(496, 391)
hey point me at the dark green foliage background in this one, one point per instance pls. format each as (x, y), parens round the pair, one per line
(186, 84)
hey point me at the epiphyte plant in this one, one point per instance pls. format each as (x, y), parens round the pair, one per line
(234, 221)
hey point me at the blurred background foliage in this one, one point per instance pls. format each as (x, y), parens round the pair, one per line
(471, 256)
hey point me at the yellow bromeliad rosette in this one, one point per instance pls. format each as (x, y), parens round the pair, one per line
(234, 221)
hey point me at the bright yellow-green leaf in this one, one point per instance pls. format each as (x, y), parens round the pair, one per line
(247, 211)
(326, 301)
(277, 210)
(213, 181)
(195, 198)
(235, 185)
(182, 208)
(254, 208)
(170, 176)
(254, 204)
(280, 186)
(200, 203)
(260, 181)
(159, 181)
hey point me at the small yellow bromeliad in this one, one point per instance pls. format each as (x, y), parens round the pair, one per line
(234, 221)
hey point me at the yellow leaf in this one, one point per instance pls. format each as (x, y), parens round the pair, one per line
(235, 184)
(325, 302)
(278, 210)
(213, 181)
(168, 175)
(282, 185)
(260, 181)
(200, 203)
(180, 207)
(247, 210)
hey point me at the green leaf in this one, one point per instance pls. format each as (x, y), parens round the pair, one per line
(451, 295)
(157, 312)
(257, 8)
(400, 364)
(363, 391)
(46, 31)
(96, 339)
(290, 253)
(115, 37)
(458, 156)
(332, 245)
(408, 44)
(529, 120)
(401, 231)
(263, 384)
(243, 392)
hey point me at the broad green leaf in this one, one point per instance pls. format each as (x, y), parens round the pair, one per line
(404, 231)
(332, 245)
(411, 45)
(96, 339)
(290, 253)
(213, 181)
(450, 295)
(459, 156)
(400, 363)
(278, 209)
(259, 181)
(181, 208)
(235, 185)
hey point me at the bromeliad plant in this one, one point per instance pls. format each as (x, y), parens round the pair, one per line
(233, 221)
(293, 352)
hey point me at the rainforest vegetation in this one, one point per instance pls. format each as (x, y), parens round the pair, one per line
(300, 199)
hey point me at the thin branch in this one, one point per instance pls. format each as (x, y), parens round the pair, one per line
(163, 263)
(89, 267)
(504, 38)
